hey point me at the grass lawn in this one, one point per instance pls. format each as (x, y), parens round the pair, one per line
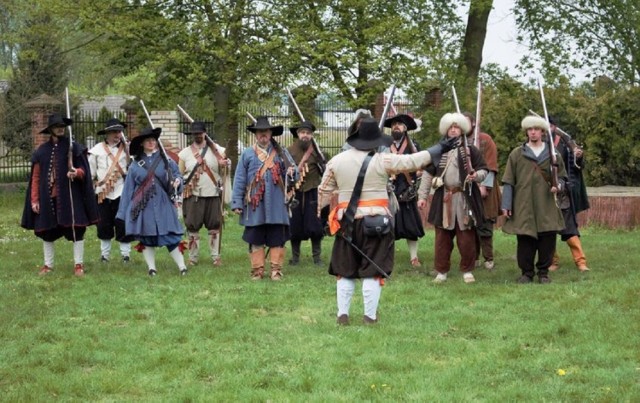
(215, 335)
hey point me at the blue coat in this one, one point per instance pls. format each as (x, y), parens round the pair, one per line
(271, 208)
(159, 216)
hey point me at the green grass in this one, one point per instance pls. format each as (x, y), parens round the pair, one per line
(118, 335)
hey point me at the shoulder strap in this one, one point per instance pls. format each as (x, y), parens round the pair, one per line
(350, 212)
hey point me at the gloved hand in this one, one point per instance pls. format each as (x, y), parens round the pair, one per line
(444, 145)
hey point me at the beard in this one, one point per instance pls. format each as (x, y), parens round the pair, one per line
(198, 140)
(397, 135)
(305, 144)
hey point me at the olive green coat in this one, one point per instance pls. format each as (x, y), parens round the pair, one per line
(534, 208)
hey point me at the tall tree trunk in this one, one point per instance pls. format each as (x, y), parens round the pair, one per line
(225, 120)
(474, 37)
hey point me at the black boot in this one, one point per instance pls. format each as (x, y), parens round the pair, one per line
(295, 253)
(316, 251)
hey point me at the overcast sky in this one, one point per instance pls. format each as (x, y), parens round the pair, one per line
(501, 46)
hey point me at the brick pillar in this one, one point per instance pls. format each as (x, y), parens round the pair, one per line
(40, 108)
(130, 108)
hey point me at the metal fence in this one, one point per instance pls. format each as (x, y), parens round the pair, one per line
(331, 119)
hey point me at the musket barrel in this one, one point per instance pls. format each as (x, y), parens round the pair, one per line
(387, 106)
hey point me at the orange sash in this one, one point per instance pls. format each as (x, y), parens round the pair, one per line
(334, 223)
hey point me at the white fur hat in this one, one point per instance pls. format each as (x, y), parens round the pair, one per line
(458, 118)
(533, 121)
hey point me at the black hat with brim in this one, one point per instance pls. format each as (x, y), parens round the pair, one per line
(136, 144)
(404, 119)
(197, 127)
(304, 125)
(368, 136)
(56, 119)
(262, 123)
(113, 125)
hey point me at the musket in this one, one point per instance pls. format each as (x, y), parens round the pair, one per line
(476, 130)
(125, 143)
(387, 106)
(566, 137)
(70, 164)
(467, 157)
(163, 154)
(314, 144)
(552, 149)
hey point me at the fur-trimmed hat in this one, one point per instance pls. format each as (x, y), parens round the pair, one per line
(56, 119)
(304, 125)
(406, 120)
(262, 123)
(368, 136)
(533, 121)
(458, 119)
(135, 147)
(113, 125)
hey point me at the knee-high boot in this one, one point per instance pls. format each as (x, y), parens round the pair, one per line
(578, 254)
(316, 251)
(257, 262)
(295, 252)
(555, 261)
(277, 260)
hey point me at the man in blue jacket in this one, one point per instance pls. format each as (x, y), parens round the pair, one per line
(262, 188)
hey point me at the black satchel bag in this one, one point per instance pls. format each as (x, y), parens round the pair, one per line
(376, 225)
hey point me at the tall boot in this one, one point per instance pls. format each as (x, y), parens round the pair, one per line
(578, 254)
(316, 251)
(555, 261)
(295, 252)
(214, 246)
(194, 248)
(257, 262)
(277, 260)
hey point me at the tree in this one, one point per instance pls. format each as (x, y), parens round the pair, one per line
(345, 45)
(600, 35)
(473, 44)
(41, 68)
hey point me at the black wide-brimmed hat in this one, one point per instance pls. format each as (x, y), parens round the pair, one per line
(197, 127)
(367, 137)
(304, 125)
(404, 119)
(113, 125)
(262, 123)
(553, 120)
(136, 144)
(56, 119)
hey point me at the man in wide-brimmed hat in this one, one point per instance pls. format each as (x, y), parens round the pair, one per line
(490, 192)
(573, 199)
(529, 202)
(340, 176)
(408, 222)
(305, 223)
(109, 162)
(205, 168)
(150, 215)
(59, 200)
(456, 206)
(262, 187)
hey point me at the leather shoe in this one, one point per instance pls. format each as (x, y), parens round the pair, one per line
(368, 321)
(524, 279)
(343, 319)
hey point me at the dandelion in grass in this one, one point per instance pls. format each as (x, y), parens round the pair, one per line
(561, 372)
